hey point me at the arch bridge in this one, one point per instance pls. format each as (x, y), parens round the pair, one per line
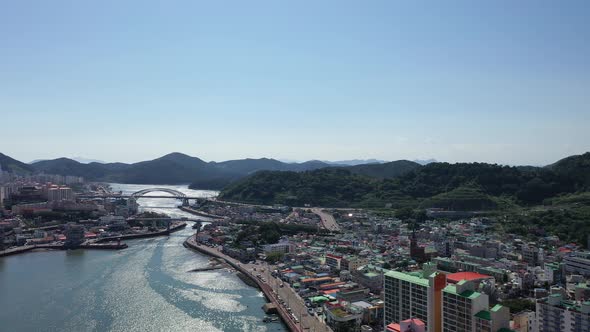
(174, 194)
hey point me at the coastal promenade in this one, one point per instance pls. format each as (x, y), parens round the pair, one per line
(245, 269)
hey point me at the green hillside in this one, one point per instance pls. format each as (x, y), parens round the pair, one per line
(14, 166)
(461, 186)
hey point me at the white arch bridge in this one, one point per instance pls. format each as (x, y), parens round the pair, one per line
(175, 194)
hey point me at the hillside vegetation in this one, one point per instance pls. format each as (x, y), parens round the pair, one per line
(461, 186)
(10, 165)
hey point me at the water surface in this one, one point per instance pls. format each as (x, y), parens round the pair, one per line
(143, 288)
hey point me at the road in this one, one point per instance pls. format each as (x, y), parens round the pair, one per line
(270, 286)
(292, 300)
(328, 220)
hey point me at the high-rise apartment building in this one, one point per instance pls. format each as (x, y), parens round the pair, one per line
(414, 296)
(556, 314)
(60, 194)
(443, 308)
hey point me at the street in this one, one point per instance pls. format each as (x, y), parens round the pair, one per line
(328, 220)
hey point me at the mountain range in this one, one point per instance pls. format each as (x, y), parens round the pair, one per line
(178, 168)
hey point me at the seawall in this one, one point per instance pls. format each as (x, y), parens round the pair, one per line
(266, 289)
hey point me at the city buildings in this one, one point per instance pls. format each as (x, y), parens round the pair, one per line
(56, 193)
(578, 263)
(283, 247)
(441, 306)
(555, 313)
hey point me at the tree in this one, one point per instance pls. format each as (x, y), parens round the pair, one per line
(404, 213)
(274, 257)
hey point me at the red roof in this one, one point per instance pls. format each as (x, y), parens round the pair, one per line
(393, 327)
(456, 277)
(333, 256)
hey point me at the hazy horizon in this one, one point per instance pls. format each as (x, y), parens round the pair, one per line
(502, 82)
(86, 160)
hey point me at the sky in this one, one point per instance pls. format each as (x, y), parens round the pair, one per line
(459, 81)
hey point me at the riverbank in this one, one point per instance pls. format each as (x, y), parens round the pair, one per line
(266, 289)
(199, 213)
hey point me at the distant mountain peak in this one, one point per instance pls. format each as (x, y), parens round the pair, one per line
(179, 157)
(425, 161)
(87, 161)
(354, 162)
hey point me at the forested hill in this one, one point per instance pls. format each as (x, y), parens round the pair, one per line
(14, 166)
(457, 186)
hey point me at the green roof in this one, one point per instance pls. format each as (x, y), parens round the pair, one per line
(469, 294)
(497, 307)
(408, 277)
(492, 269)
(484, 314)
(319, 299)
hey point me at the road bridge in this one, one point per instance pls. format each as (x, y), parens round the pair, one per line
(174, 194)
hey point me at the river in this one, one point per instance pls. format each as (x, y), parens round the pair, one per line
(145, 287)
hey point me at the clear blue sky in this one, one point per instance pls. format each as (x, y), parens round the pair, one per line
(502, 81)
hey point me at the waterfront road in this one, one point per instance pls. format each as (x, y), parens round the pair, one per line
(292, 301)
(271, 288)
(328, 220)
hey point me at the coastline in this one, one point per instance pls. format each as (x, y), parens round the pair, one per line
(191, 243)
(112, 242)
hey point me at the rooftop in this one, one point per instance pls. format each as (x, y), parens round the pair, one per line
(484, 314)
(469, 294)
(456, 277)
(407, 277)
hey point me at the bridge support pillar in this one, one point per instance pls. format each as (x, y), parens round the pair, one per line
(185, 202)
